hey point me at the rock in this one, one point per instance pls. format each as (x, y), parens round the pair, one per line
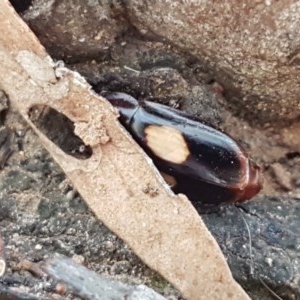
(282, 176)
(274, 228)
(251, 48)
(71, 29)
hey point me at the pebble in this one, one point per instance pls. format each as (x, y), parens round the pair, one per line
(71, 195)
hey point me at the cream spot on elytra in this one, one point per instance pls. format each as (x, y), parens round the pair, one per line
(167, 143)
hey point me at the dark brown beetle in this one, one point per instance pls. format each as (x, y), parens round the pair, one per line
(203, 163)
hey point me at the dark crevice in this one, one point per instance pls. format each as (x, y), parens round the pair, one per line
(60, 130)
(21, 5)
(292, 155)
(6, 141)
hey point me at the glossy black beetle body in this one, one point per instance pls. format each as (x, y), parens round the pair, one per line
(203, 163)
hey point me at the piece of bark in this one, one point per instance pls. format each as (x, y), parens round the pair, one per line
(163, 229)
(9, 294)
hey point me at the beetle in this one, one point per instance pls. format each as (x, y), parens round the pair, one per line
(198, 160)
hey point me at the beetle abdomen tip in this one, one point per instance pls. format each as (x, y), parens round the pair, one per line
(254, 183)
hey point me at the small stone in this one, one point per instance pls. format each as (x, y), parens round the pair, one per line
(268, 2)
(20, 133)
(109, 246)
(71, 195)
(15, 236)
(60, 289)
(78, 259)
(269, 261)
(38, 247)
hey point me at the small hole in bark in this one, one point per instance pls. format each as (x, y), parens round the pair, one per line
(21, 5)
(60, 130)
